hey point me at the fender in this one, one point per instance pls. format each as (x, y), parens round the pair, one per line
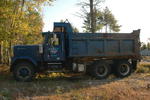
(26, 58)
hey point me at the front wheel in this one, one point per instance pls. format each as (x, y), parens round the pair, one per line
(23, 72)
(123, 69)
(100, 70)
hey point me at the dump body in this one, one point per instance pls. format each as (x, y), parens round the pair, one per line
(114, 45)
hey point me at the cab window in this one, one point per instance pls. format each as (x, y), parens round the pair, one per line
(54, 40)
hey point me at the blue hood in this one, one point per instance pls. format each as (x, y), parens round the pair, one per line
(27, 51)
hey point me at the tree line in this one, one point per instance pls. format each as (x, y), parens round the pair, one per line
(145, 45)
(20, 23)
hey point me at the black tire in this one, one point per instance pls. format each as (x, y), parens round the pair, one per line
(23, 72)
(100, 70)
(122, 69)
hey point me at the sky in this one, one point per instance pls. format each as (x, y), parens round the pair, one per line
(131, 15)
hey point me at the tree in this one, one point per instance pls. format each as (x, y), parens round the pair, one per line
(102, 19)
(95, 19)
(109, 21)
(92, 17)
(97, 24)
(148, 45)
(88, 7)
(20, 23)
(143, 46)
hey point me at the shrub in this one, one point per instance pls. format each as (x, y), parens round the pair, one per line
(143, 68)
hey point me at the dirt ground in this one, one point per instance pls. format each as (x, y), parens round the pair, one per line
(134, 87)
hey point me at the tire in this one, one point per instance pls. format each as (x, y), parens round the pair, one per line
(123, 69)
(100, 70)
(23, 72)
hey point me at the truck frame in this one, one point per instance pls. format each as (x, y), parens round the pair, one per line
(96, 54)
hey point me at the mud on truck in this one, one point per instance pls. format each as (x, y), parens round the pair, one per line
(96, 54)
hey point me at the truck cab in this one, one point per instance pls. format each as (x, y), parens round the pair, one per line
(54, 45)
(49, 55)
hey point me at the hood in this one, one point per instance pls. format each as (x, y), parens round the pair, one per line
(26, 50)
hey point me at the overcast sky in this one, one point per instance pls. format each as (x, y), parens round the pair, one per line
(131, 15)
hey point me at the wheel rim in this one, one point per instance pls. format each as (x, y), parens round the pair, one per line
(124, 69)
(24, 73)
(102, 71)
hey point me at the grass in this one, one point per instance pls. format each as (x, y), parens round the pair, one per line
(143, 68)
(62, 87)
(118, 90)
(146, 58)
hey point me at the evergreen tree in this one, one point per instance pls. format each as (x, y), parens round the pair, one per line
(102, 19)
(88, 13)
(109, 21)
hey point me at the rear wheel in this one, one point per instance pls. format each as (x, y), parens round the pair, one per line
(123, 69)
(23, 72)
(100, 70)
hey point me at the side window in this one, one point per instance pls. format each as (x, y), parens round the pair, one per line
(54, 40)
(59, 29)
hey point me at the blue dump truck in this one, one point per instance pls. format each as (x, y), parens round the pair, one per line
(96, 54)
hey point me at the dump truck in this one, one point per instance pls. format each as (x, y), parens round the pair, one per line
(63, 50)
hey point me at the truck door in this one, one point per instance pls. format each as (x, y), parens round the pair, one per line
(54, 48)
